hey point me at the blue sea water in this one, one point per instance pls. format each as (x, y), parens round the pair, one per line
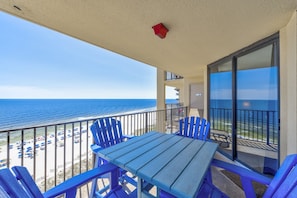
(16, 113)
(262, 105)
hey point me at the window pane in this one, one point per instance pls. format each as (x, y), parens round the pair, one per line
(221, 106)
(257, 109)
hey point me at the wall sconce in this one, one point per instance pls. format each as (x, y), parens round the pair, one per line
(160, 30)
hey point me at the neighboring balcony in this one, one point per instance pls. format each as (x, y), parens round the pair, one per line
(172, 76)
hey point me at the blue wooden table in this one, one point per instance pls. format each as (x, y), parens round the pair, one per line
(173, 163)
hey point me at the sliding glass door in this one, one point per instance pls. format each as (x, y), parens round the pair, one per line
(244, 105)
(257, 109)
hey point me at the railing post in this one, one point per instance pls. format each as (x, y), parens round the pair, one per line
(146, 122)
(171, 121)
(267, 128)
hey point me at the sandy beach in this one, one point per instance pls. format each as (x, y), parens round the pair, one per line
(54, 155)
(62, 150)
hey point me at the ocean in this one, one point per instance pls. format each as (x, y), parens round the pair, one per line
(17, 113)
(261, 105)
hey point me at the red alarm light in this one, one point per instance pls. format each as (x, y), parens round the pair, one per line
(160, 30)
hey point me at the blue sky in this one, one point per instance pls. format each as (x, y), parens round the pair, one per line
(253, 84)
(36, 62)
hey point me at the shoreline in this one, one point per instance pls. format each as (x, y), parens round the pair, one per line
(61, 151)
(39, 124)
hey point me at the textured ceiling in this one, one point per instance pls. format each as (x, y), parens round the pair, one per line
(200, 31)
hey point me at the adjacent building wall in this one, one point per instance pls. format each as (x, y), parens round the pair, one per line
(288, 88)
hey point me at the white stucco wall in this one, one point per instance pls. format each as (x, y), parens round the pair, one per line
(288, 88)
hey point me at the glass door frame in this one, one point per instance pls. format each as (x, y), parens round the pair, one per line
(274, 40)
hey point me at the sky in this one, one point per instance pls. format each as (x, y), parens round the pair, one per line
(253, 84)
(36, 62)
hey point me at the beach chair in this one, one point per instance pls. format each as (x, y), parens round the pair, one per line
(194, 127)
(17, 182)
(107, 132)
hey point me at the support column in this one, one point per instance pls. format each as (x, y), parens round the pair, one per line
(160, 89)
(206, 85)
(288, 88)
(184, 93)
(161, 96)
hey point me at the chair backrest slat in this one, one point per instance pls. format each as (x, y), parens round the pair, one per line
(25, 178)
(105, 130)
(191, 128)
(117, 131)
(197, 128)
(97, 135)
(186, 126)
(11, 185)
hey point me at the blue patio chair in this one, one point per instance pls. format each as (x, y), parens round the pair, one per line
(194, 127)
(107, 132)
(19, 183)
(283, 184)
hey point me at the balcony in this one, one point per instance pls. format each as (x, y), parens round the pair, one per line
(56, 152)
(172, 76)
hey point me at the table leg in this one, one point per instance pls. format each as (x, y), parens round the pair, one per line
(139, 187)
(94, 182)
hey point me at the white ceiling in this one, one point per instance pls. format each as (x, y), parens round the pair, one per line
(200, 31)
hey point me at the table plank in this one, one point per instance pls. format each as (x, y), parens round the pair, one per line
(144, 149)
(194, 172)
(166, 178)
(142, 160)
(155, 165)
(123, 147)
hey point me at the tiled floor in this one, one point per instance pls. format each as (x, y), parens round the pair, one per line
(223, 182)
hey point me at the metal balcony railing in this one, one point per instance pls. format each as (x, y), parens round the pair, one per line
(256, 125)
(55, 152)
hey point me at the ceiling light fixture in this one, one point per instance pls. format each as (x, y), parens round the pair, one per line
(160, 30)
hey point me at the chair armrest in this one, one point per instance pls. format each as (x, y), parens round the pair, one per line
(95, 148)
(246, 176)
(70, 186)
(243, 172)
